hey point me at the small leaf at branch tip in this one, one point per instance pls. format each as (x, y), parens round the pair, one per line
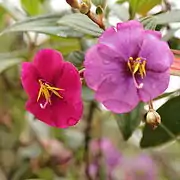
(99, 10)
(85, 6)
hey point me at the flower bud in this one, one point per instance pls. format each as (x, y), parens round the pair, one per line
(85, 6)
(73, 3)
(153, 118)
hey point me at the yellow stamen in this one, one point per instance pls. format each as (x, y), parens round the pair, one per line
(137, 66)
(46, 91)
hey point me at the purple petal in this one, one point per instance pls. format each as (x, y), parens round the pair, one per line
(118, 93)
(154, 33)
(126, 41)
(48, 62)
(129, 24)
(29, 78)
(108, 33)
(98, 66)
(157, 53)
(154, 84)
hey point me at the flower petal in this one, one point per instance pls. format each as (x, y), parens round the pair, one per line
(126, 41)
(49, 62)
(155, 83)
(154, 33)
(129, 24)
(68, 113)
(60, 114)
(99, 66)
(118, 93)
(29, 78)
(157, 53)
(69, 80)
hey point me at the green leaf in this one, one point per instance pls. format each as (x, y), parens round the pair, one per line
(7, 60)
(87, 94)
(149, 22)
(120, 11)
(73, 25)
(121, 1)
(32, 7)
(64, 45)
(142, 6)
(101, 3)
(170, 118)
(45, 173)
(128, 122)
(168, 17)
(76, 57)
(81, 23)
(13, 10)
(161, 19)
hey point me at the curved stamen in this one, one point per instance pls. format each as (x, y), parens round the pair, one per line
(137, 66)
(46, 91)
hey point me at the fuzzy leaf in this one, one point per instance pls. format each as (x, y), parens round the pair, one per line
(168, 17)
(129, 122)
(9, 59)
(170, 118)
(72, 25)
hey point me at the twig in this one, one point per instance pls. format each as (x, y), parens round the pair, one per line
(170, 133)
(88, 138)
(99, 22)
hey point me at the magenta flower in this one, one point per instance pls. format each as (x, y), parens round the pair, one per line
(128, 65)
(54, 89)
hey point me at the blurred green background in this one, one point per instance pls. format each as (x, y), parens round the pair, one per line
(103, 145)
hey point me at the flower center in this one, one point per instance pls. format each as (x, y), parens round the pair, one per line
(46, 91)
(137, 66)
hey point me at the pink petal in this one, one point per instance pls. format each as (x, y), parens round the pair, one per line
(29, 78)
(69, 80)
(155, 83)
(157, 53)
(49, 63)
(118, 93)
(98, 65)
(60, 114)
(68, 113)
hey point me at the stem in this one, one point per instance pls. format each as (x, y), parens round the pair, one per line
(88, 138)
(169, 132)
(151, 104)
(94, 19)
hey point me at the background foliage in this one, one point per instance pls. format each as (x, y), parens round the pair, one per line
(31, 150)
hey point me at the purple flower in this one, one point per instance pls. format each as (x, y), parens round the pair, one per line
(128, 65)
(141, 167)
(54, 89)
(110, 153)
